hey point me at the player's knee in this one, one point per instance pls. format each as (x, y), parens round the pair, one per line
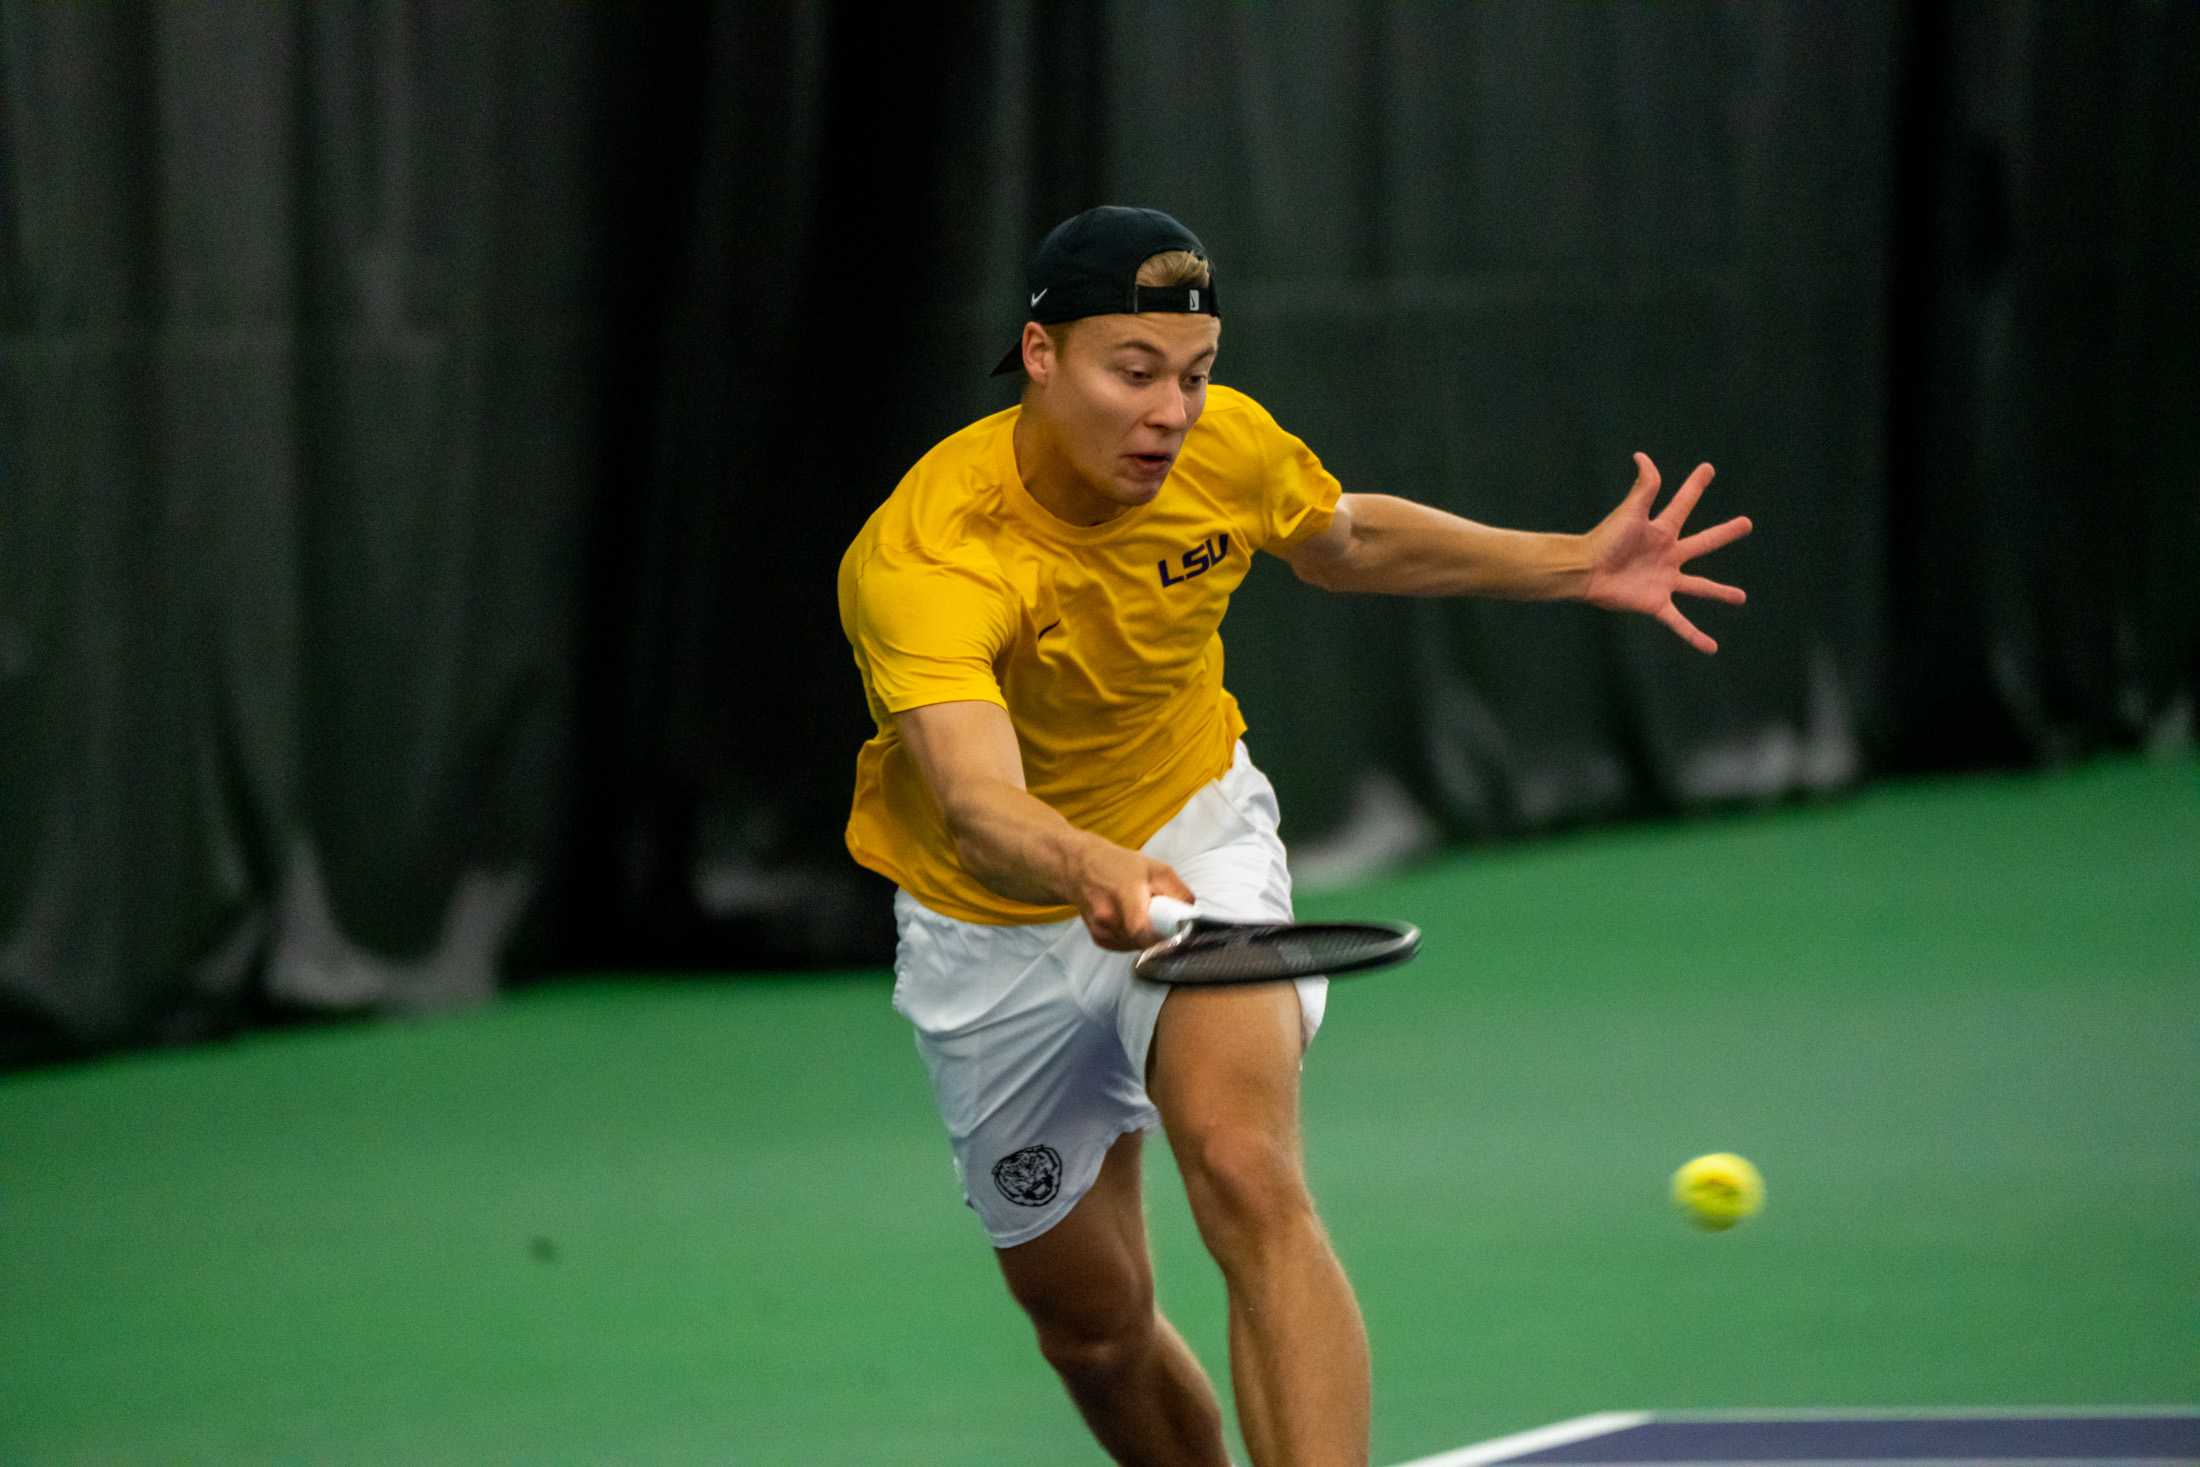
(1243, 1186)
(1095, 1353)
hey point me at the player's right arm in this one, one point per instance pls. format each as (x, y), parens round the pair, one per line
(1017, 844)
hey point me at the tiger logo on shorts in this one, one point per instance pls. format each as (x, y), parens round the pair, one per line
(1031, 1177)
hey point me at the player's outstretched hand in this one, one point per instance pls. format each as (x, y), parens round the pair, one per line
(1636, 559)
(1114, 890)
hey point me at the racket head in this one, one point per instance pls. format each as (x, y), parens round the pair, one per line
(1206, 951)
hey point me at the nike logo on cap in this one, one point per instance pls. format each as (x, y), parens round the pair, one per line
(1035, 299)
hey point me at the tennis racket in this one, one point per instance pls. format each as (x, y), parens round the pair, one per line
(1198, 949)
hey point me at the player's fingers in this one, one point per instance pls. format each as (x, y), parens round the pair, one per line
(1165, 882)
(1703, 542)
(1138, 930)
(1110, 925)
(1685, 629)
(1645, 488)
(1714, 590)
(1676, 512)
(1137, 917)
(1116, 938)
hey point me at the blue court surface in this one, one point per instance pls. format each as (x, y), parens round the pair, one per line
(2133, 1436)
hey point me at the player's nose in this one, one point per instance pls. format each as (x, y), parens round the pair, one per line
(1169, 408)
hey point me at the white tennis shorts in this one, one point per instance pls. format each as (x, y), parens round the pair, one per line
(1036, 1039)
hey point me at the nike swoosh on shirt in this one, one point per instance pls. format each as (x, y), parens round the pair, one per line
(1050, 626)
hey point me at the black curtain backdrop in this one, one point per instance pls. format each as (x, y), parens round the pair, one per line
(427, 441)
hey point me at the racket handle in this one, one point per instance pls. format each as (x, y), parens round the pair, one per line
(1167, 915)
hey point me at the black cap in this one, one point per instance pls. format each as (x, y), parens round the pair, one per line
(1088, 266)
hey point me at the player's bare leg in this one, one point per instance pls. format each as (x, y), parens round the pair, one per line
(1225, 1074)
(1087, 1284)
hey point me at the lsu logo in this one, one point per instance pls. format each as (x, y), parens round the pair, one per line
(1198, 560)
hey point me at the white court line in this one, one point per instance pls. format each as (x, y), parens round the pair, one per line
(1604, 1423)
(1580, 1429)
(1921, 1413)
(1942, 1462)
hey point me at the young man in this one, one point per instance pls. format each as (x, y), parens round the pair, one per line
(1034, 614)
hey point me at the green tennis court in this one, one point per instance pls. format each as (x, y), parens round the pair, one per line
(642, 1220)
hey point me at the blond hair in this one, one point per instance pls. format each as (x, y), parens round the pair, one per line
(1176, 267)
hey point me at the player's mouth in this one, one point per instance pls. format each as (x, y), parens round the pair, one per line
(1151, 465)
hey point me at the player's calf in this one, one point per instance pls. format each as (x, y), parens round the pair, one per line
(1140, 1391)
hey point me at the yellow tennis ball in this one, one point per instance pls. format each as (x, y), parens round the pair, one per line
(1719, 1190)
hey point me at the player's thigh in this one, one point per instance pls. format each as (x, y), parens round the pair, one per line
(1089, 1279)
(1225, 1077)
(1227, 1058)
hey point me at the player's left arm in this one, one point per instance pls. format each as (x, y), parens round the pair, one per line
(1632, 561)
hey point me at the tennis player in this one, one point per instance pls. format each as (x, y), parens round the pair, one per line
(1034, 614)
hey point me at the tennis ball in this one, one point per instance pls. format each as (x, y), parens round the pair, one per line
(1719, 1190)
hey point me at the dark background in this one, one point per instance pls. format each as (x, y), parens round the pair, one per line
(428, 434)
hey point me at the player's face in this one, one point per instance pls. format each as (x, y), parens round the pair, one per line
(1123, 392)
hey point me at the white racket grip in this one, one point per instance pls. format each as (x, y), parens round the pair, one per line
(1168, 915)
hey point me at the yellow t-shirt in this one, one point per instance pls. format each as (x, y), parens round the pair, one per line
(1100, 640)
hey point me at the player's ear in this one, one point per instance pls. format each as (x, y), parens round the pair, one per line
(1042, 352)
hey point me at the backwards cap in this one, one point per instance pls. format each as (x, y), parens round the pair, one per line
(1088, 266)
